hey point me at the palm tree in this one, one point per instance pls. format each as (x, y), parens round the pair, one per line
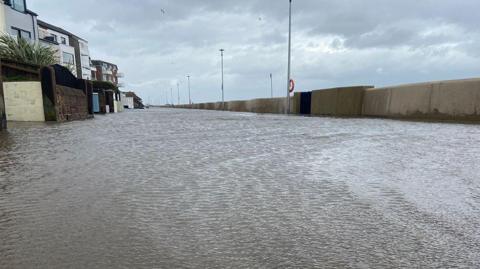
(24, 51)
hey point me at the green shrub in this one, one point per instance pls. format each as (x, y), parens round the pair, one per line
(24, 51)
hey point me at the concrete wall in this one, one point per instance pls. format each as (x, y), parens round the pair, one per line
(268, 105)
(456, 100)
(23, 101)
(444, 100)
(345, 101)
(295, 103)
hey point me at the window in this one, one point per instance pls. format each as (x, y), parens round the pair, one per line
(68, 58)
(18, 5)
(64, 40)
(54, 37)
(19, 33)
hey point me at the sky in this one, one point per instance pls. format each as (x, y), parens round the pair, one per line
(157, 43)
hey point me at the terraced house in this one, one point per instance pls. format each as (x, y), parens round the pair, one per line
(105, 71)
(17, 20)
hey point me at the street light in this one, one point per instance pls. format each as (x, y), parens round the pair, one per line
(223, 92)
(287, 109)
(171, 96)
(178, 92)
(271, 84)
(189, 96)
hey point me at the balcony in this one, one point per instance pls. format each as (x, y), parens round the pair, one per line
(120, 75)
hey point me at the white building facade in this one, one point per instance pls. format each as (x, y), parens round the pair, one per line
(83, 59)
(73, 51)
(58, 39)
(17, 20)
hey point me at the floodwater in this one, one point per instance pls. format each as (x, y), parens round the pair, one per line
(167, 188)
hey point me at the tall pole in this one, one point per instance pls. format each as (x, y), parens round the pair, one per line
(271, 85)
(189, 96)
(223, 92)
(287, 109)
(178, 92)
(171, 96)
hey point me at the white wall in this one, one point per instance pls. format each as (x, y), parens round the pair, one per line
(85, 59)
(23, 21)
(61, 48)
(129, 101)
(23, 101)
(3, 26)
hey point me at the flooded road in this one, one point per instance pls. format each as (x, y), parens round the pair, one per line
(205, 189)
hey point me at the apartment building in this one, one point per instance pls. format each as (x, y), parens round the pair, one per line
(72, 51)
(59, 39)
(82, 54)
(17, 20)
(105, 71)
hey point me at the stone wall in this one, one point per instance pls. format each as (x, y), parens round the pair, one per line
(23, 101)
(66, 97)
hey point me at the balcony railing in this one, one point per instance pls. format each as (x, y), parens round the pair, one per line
(120, 75)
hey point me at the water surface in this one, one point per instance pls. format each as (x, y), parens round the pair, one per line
(205, 189)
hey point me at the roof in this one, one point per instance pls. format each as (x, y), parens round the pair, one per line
(31, 12)
(100, 62)
(56, 29)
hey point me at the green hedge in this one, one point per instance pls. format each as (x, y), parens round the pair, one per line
(104, 85)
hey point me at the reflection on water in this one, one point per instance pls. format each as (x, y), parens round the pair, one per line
(190, 189)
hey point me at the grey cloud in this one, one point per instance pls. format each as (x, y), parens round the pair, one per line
(335, 42)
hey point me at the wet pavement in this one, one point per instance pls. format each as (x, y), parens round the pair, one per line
(204, 189)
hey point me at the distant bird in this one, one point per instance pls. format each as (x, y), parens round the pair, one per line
(163, 11)
(260, 18)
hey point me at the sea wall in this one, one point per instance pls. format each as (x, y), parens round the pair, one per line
(23, 101)
(345, 101)
(443, 100)
(457, 100)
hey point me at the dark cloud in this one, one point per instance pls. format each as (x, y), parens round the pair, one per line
(337, 42)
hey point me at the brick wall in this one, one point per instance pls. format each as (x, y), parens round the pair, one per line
(3, 115)
(71, 104)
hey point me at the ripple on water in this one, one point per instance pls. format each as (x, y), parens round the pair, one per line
(188, 189)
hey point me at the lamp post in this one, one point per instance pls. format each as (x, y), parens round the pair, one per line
(287, 109)
(223, 92)
(189, 96)
(178, 93)
(171, 96)
(271, 85)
